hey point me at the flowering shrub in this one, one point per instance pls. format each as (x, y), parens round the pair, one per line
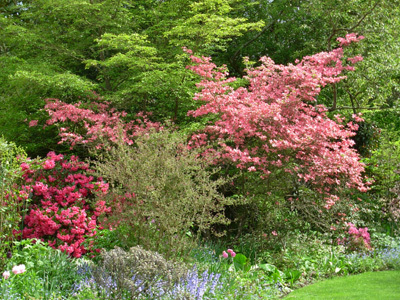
(192, 285)
(359, 237)
(136, 272)
(64, 207)
(195, 286)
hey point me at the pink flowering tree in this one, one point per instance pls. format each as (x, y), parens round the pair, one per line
(274, 125)
(91, 124)
(65, 202)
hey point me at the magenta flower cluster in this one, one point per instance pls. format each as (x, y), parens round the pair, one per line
(65, 202)
(359, 238)
(360, 235)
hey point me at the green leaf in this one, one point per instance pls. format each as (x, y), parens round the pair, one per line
(268, 268)
(241, 262)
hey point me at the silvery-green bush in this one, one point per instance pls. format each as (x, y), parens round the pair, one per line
(173, 193)
(135, 273)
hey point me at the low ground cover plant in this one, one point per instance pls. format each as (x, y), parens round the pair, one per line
(35, 270)
(213, 273)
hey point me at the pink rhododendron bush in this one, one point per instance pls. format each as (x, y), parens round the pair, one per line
(273, 127)
(65, 202)
(358, 239)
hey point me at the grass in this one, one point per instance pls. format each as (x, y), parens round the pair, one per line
(370, 285)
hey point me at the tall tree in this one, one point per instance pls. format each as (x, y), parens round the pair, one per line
(129, 52)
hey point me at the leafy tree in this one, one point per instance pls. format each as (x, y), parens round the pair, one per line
(127, 51)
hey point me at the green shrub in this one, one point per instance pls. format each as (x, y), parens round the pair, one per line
(11, 204)
(104, 239)
(383, 166)
(272, 208)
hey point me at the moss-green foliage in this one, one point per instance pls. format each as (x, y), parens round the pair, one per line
(367, 138)
(282, 205)
(386, 119)
(10, 208)
(368, 286)
(174, 197)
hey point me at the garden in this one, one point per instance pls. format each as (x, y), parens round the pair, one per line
(143, 156)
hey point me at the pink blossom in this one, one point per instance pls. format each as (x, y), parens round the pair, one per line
(188, 51)
(357, 117)
(49, 164)
(350, 38)
(24, 166)
(18, 269)
(355, 59)
(359, 234)
(233, 254)
(33, 123)
(105, 122)
(274, 233)
(224, 254)
(6, 275)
